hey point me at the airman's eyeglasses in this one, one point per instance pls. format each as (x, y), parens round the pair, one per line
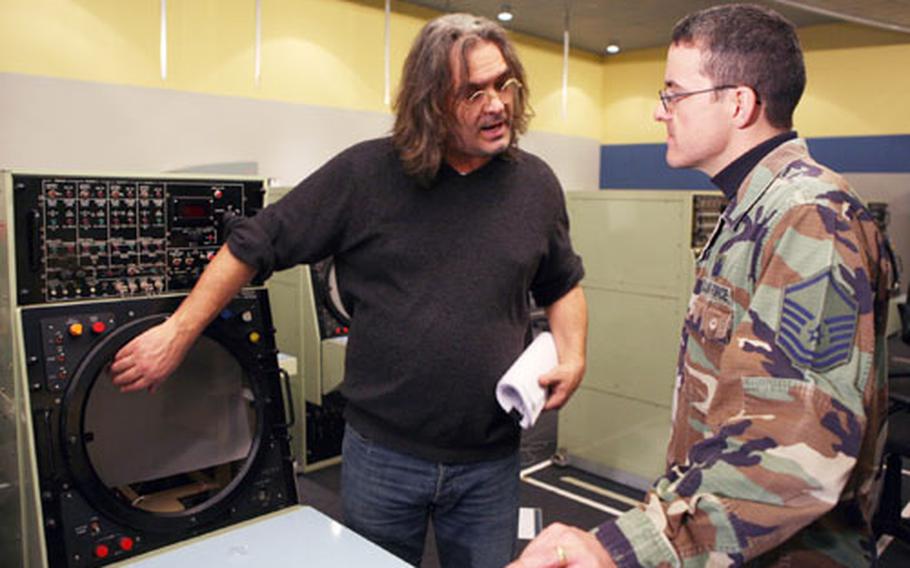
(669, 99)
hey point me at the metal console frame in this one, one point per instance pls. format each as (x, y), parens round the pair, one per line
(23, 537)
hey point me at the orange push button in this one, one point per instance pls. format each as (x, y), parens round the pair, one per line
(76, 329)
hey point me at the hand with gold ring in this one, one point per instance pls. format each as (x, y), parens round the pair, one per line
(562, 546)
(561, 555)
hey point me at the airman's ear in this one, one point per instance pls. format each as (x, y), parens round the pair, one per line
(748, 108)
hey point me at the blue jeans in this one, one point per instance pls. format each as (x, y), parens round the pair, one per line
(388, 497)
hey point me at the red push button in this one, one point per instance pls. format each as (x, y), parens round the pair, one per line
(126, 543)
(99, 327)
(102, 551)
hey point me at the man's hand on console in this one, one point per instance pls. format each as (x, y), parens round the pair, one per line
(149, 359)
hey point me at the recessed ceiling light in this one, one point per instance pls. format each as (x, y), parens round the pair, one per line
(613, 49)
(505, 13)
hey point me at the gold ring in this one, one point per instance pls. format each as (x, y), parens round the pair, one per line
(561, 555)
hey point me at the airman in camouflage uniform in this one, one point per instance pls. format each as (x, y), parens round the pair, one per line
(780, 399)
(779, 408)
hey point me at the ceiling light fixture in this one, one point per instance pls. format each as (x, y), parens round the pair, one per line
(613, 48)
(505, 13)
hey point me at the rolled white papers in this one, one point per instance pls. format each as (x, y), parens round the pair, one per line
(518, 392)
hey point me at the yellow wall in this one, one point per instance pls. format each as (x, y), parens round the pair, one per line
(631, 82)
(330, 53)
(853, 89)
(857, 86)
(543, 63)
(319, 52)
(100, 40)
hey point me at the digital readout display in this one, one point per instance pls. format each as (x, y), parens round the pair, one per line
(192, 210)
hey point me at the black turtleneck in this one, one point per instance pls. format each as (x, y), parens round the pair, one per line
(730, 178)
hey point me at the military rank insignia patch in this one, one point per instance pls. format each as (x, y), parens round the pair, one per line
(817, 323)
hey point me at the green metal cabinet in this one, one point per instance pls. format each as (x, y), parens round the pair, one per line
(319, 363)
(638, 252)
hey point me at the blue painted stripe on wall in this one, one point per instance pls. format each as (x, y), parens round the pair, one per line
(642, 166)
(863, 154)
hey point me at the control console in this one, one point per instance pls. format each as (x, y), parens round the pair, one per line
(101, 237)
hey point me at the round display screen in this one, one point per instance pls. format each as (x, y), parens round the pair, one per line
(180, 447)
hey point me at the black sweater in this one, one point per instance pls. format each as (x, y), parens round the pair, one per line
(436, 280)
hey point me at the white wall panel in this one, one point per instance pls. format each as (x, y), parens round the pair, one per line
(62, 124)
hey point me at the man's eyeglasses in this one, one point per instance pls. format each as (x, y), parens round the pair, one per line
(669, 99)
(482, 97)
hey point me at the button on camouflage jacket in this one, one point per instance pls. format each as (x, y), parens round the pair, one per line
(779, 410)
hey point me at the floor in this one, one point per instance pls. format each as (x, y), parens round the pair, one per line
(579, 498)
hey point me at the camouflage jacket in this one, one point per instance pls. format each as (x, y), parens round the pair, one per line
(780, 404)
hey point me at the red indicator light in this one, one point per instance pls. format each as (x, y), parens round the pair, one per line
(102, 551)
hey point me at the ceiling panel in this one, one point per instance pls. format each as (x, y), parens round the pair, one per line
(888, 14)
(647, 23)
